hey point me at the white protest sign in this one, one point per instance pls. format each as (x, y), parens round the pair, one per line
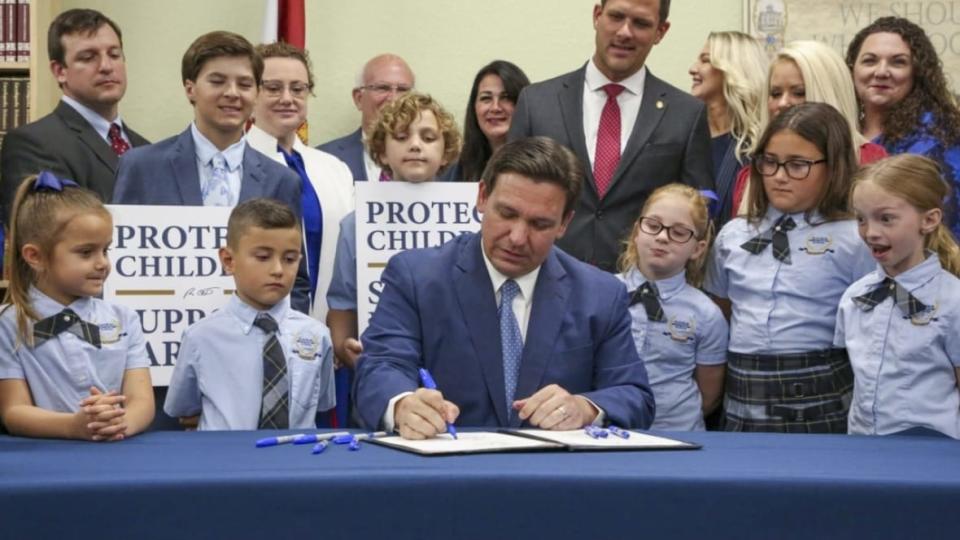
(166, 268)
(397, 216)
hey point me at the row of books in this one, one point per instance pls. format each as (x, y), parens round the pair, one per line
(14, 30)
(14, 102)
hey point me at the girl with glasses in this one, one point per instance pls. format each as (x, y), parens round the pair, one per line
(781, 270)
(680, 334)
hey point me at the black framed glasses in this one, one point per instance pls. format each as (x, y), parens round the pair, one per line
(676, 233)
(796, 168)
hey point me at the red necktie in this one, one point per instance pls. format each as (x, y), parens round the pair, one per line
(116, 141)
(607, 156)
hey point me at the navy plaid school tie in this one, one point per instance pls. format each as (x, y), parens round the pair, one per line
(907, 303)
(275, 407)
(67, 320)
(649, 296)
(776, 235)
(510, 340)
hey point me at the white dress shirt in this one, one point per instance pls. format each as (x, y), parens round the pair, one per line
(100, 124)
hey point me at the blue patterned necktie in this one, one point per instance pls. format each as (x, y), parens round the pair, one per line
(510, 340)
(275, 407)
(217, 190)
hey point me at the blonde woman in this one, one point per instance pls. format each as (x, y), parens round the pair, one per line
(728, 77)
(809, 71)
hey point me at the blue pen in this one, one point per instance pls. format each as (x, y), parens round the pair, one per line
(319, 447)
(622, 433)
(274, 441)
(429, 384)
(595, 432)
(317, 437)
(346, 438)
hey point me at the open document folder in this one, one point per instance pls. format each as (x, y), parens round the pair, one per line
(529, 440)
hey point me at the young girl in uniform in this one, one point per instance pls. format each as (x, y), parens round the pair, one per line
(901, 323)
(679, 332)
(783, 268)
(71, 365)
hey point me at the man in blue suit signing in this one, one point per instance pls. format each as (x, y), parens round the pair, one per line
(210, 163)
(558, 352)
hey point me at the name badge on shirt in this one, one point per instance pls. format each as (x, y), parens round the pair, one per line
(110, 331)
(681, 330)
(306, 344)
(924, 317)
(818, 244)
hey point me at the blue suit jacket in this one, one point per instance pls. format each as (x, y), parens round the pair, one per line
(350, 151)
(438, 311)
(166, 173)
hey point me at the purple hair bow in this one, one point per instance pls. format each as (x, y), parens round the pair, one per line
(48, 180)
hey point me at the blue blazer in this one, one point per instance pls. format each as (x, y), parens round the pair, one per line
(725, 179)
(438, 310)
(350, 151)
(166, 173)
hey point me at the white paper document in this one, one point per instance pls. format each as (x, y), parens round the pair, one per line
(470, 442)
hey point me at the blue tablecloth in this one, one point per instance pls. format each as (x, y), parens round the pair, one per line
(217, 485)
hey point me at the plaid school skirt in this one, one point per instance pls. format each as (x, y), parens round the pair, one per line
(788, 393)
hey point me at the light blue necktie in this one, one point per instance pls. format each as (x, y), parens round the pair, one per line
(510, 340)
(217, 190)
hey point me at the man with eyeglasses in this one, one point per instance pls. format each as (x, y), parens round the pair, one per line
(383, 78)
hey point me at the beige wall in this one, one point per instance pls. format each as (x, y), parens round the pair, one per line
(445, 41)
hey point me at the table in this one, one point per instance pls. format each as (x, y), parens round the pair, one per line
(217, 485)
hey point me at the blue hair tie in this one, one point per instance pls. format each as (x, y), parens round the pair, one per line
(713, 206)
(46, 180)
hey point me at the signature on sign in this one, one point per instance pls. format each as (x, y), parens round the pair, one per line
(207, 291)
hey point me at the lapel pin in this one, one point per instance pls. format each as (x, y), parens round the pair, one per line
(659, 104)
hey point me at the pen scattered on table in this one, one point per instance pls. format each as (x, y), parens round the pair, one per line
(318, 437)
(595, 432)
(622, 433)
(429, 383)
(274, 441)
(322, 440)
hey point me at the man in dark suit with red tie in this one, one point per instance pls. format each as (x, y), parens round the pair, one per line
(84, 136)
(633, 132)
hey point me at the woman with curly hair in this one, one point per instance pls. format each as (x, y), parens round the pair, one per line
(489, 113)
(904, 101)
(728, 77)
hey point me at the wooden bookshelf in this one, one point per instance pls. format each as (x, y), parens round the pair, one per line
(14, 67)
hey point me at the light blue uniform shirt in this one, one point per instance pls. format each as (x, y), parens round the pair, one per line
(219, 371)
(904, 369)
(61, 370)
(233, 155)
(780, 308)
(342, 293)
(694, 333)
